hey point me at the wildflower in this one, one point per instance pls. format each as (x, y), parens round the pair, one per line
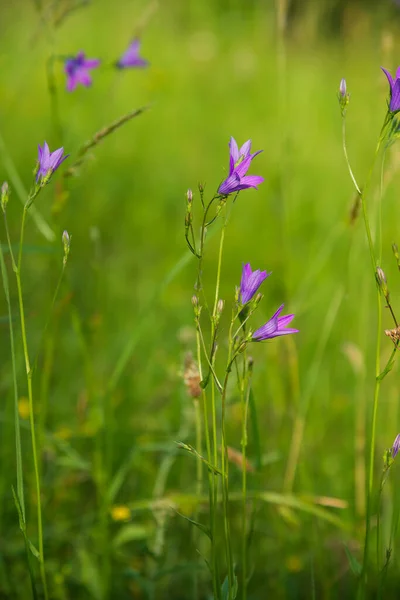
(5, 194)
(396, 446)
(120, 512)
(394, 104)
(239, 163)
(274, 327)
(343, 88)
(49, 161)
(250, 282)
(77, 70)
(131, 58)
(343, 95)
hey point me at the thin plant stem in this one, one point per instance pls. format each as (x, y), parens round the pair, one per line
(30, 400)
(244, 399)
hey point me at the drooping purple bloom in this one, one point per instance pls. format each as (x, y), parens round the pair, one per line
(239, 163)
(77, 70)
(394, 104)
(131, 58)
(250, 282)
(49, 161)
(274, 327)
(396, 446)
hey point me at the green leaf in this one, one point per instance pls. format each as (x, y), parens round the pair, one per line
(200, 526)
(225, 589)
(353, 562)
(194, 452)
(130, 533)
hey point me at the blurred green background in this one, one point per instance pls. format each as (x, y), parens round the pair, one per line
(108, 387)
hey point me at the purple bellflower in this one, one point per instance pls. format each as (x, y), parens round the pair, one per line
(394, 104)
(131, 58)
(275, 327)
(77, 70)
(250, 282)
(49, 161)
(239, 163)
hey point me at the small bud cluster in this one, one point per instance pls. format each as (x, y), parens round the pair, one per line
(5, 194)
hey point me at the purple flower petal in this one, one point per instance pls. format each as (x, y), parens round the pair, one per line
(251, 181)
(275, 327)
(395, 97)
(77, 70)
(245, 149)
(250, 282)
(239, 163)
(389, 76)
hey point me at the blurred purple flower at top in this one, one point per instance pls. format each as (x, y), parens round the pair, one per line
(275, 327)
(239, 163)
(77, 70)
(131, 58)
(394, 104)
(250, 282)
(49, 161)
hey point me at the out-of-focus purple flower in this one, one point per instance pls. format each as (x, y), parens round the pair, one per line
(77, 70)
(250, 282)
(239, 163)
(394, 104)
(131, 58)
(396, 446)
(274, 327)
(49, 161)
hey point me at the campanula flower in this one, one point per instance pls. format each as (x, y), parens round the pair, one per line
(250, 282)
(131, 58)
(239, 163)
(77, 70)
(274, 327)
(49, 161)
(394, 104)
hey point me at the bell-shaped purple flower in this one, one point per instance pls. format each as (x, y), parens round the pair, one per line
(250, 282)
(77, 70)
(131, 57)
(394, 104)
(239, 163)
(275, 327)
(49, 161)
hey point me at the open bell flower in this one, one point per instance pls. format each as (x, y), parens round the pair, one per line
(275, 327)
(48, 161)
(239, 163)
(77, 70)
(250, 282)
(394, 104)
(131, 57)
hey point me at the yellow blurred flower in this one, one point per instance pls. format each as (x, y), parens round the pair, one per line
(294, 564)
(120, 513)
(63, 433)
(23, 408)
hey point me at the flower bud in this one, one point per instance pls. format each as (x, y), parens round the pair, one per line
(66, 240)
(189, 196)
(382, 283)
(343, 95)
(5, 194)
(396, 446)
(220, 306)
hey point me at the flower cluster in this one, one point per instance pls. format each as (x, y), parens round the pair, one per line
(78, 68)
(276, 325)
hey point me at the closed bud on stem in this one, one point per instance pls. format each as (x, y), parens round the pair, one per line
(196, 306)
(220, 306)
(5, 194)
(66, 240)
(189, 196)
(396, 254)
(382, 283)
(396, 446)
(258, 298)
(343, 95)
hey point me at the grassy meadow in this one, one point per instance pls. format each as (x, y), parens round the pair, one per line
(108, 353)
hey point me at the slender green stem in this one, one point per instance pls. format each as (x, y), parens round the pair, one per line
(244, 400)
(30, 400)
